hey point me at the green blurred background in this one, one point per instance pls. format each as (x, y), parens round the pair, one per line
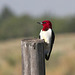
(14, 28)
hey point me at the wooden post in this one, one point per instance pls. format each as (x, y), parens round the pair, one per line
(33, 60)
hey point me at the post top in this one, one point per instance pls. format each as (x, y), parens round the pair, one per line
(32, 40)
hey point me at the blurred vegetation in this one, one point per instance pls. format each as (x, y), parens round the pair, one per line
(12, 26)
(62, 58)
(61, 62)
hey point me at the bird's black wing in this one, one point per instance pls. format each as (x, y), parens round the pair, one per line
(52, 42)
(39, 36)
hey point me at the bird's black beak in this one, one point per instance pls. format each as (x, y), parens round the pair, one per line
(39, 22)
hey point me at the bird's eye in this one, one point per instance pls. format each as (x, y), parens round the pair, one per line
(44, 22)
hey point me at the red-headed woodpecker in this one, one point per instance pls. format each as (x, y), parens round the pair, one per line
(48, 35)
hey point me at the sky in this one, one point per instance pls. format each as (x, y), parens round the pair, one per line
(40, 7)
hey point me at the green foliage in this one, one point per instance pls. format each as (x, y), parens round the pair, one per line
(6, 13)
(12, 26)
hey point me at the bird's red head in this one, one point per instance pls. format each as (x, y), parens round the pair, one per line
(46, 25)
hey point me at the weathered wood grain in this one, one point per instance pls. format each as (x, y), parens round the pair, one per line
(33, 59)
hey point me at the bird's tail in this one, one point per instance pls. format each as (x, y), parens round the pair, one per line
(47, 56)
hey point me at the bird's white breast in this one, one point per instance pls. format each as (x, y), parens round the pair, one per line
(46, 35)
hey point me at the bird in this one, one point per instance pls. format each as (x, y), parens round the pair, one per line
(48, 35)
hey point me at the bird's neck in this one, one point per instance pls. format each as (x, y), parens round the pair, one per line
(46, 28)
